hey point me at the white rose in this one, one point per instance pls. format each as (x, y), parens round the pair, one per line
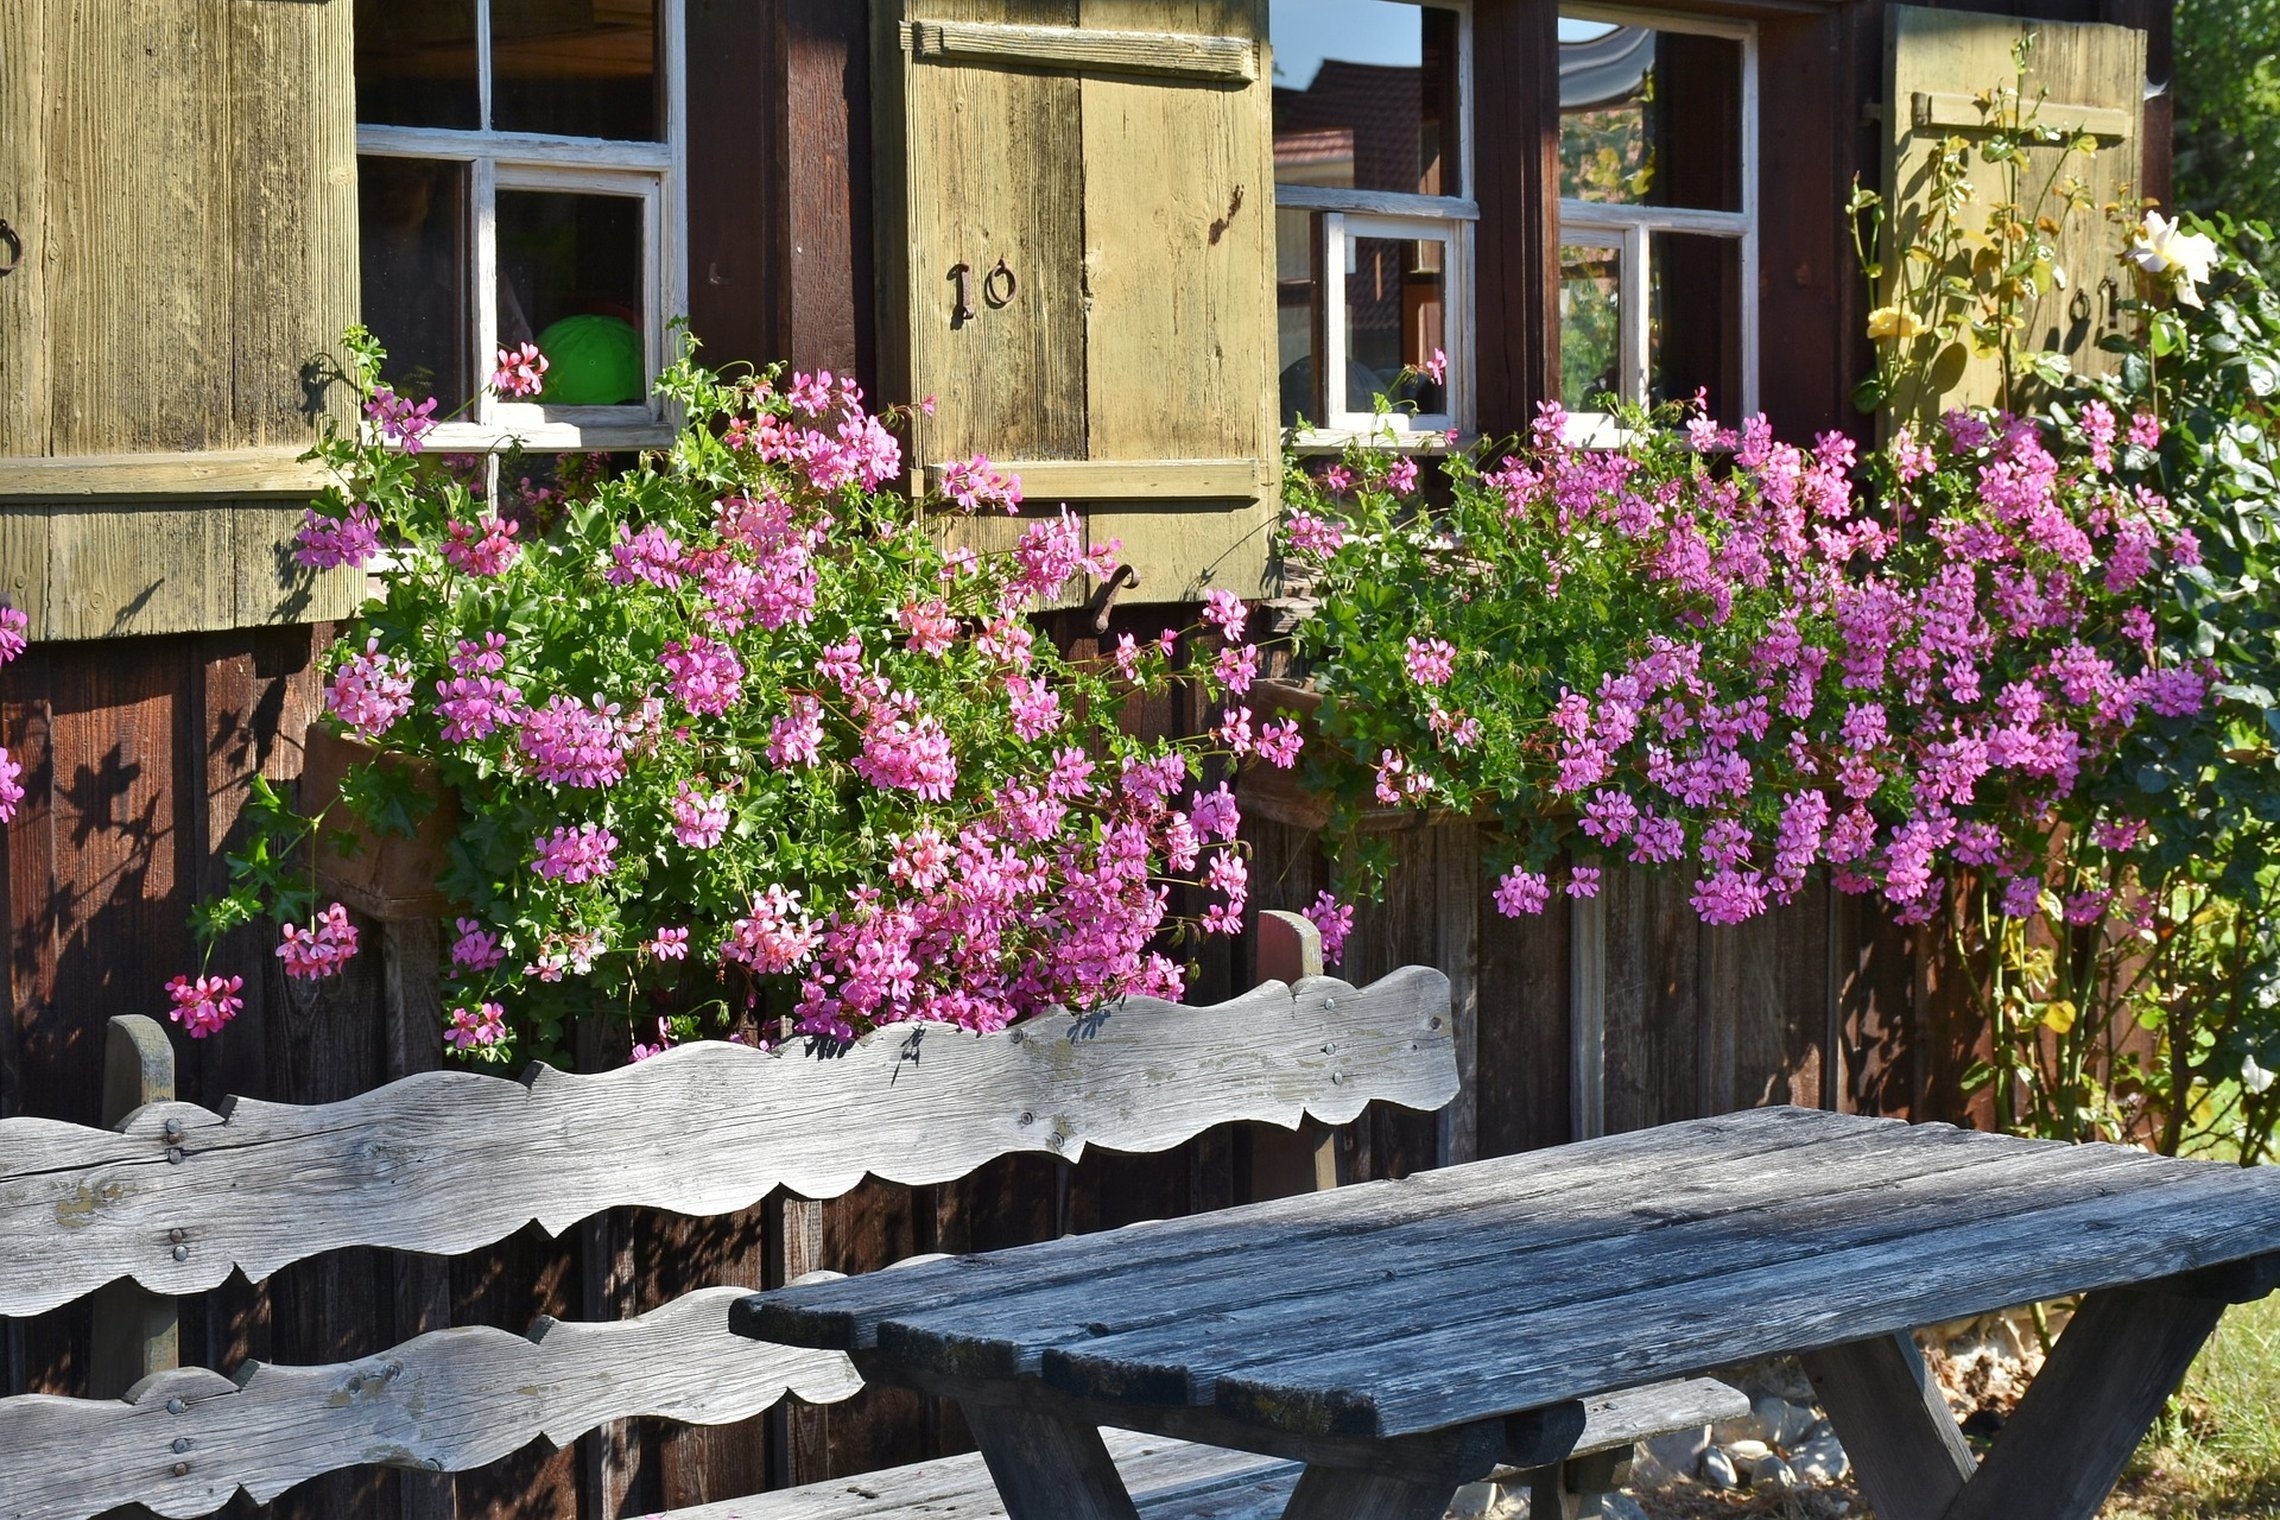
(2162, 247)
(2254, 1077)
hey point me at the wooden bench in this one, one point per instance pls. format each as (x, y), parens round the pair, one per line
(176, 1197)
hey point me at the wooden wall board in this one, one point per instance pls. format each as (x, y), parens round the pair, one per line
(1516, 141)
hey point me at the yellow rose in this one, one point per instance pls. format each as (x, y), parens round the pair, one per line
(1894, 322)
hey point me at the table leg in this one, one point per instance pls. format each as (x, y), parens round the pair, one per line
(1345, 1493)
(1048, 1468)
(1572, 1490)
(2122, 1355)
(1909, 1456)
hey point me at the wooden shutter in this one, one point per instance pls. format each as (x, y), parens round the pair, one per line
(1936, 62)
(1116, 156)
(181, 178)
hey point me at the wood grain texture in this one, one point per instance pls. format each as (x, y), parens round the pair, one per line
(2094, 76)
(1219, 60)
(1168, 1480)
(1326, 1493)
(706, 1129)
(1908, 1454)
(447, 1401)
(2059, 1455)
(25, 67)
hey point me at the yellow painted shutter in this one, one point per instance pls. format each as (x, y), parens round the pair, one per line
(181, 178)
(2092, 79)
(1103, 171)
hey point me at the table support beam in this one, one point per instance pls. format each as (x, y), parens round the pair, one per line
(1341, 1493)
(2060, 1454)
(1907, 1452)
(1048, 1468)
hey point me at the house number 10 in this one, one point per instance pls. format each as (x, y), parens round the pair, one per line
(998, 288)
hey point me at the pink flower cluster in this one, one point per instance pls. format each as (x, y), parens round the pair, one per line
(370, 691)
(1897, 692)
(321, 949)
(974, 484)
(575, 856)
(476, 1028)
(570, 743)
(205, 1004)
(325, 543)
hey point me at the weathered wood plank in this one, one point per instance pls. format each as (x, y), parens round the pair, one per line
(1049, 1468)
(1614, 1421)
(1142, 1346)
(136, 1332)
(1168, 1480)
(2120, 1358)
(1908, 1455)
(1426, 1285)
(848, 1315)
(1822, 1293)
(1215, 60)
(705, 1129)
(447, 1401)
(205, 472)
(1326, 1493)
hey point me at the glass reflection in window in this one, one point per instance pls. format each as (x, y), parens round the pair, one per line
(1591, 326)
(570, 280)
(575, 68)
(1298, 313)
(1649, 118)
(1694, 309)
(413, 252)
(1396, 315)
(415, 63)
(1365, 95)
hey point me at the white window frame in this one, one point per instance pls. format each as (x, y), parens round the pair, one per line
(1626, 229)
(1448, 219)
(653, 173)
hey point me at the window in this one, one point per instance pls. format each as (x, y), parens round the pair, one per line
(1373, 226)
(519, 179)
(1658, 211)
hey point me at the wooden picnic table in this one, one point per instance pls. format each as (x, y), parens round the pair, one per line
(1404, 1338)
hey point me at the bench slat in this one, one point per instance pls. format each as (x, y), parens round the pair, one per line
(447, 1162)
(446, 1401)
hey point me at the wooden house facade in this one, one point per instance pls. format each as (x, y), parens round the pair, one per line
(1126, 246)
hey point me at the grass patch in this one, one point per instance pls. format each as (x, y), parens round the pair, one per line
(2221, 1456)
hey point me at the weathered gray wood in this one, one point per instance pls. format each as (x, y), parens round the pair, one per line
(446, 1401)
(136, 1332)
(1453, 1454)
(2120, 1358)
(1329, 1493)
(1049, 1468)
(1469, 1266)
(445, 1162)
(1221, 60)
(2015, 1248)
(1617, 1421)
(1573, 1489)
(848, 1315)
(1907, 1452)
(1168, 1480)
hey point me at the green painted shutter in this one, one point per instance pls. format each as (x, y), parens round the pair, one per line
(1115, 156)
(2093, 80)
(181, 179)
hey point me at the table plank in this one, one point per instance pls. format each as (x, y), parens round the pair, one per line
(845, 1315)
(1412, 1266)
(1816, 1298)
(1413, 1294)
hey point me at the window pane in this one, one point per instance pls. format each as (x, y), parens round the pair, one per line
(1395, 311)
(1365, 95)
(415, 63)
(570, 280)
(415, 263)
(1591, 335)
(1298, 313)
(1650, 118)
(581, 68)
(1694, 329)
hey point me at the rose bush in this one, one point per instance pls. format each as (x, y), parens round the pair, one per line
(744, 741)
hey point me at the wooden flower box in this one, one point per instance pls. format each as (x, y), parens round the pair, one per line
(389, 877)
